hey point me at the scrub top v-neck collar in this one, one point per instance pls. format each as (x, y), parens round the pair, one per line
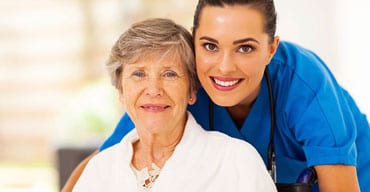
(256, 127)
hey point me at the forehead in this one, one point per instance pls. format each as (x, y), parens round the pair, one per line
(158, 59)
(237, 20)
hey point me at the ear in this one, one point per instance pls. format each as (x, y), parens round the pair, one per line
(192, 98)
(273, 47)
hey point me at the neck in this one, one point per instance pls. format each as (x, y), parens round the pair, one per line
(240, 111)
(154, 149)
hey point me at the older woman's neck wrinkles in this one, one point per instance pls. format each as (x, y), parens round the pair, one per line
(155, 149)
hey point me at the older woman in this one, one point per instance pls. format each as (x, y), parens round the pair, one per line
(152, 65)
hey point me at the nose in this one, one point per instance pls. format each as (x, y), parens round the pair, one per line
(226, 64)
(154, 87)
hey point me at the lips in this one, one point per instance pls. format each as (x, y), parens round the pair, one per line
(154, 108)
(225, 83)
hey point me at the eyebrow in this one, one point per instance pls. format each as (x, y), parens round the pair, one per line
(208, 39)
(246, 40)
(234, 42)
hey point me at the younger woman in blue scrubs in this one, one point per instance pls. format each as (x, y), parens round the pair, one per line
(317, 123)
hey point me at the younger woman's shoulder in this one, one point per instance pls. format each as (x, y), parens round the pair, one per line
(292, 59)
(293, 54)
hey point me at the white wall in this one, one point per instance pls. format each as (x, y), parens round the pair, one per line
(338, 31)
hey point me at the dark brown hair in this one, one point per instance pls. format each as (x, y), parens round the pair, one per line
(265, 7)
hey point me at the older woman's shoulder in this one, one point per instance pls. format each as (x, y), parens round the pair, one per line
(121, 150)
(229, 141)
(215, 139)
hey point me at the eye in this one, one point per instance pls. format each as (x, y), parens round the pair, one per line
(245, 49)
(210, 47)
(169, 75)
(138, 74)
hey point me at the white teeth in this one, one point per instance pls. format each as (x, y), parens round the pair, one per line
(154, 108)
(226, 83)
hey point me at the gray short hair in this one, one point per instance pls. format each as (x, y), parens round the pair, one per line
(148, 37)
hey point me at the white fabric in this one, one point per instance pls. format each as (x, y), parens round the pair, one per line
(202, 161)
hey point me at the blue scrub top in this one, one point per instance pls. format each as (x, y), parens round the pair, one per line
(317, 121)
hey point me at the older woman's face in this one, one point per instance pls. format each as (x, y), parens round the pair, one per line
(155, 92)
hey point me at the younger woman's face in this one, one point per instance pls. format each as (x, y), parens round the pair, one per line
(232, 51)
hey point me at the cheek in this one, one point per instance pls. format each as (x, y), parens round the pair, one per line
(129, 94)
(204, 63)
(179, 92)
(202, 60)
(251, 65)
(203, 68)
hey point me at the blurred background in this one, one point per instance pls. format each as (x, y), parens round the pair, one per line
(55, 94)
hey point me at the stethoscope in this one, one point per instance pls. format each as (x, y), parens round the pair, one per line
(307, 175)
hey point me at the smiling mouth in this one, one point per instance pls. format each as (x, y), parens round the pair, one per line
(154, 107)
(225, 84)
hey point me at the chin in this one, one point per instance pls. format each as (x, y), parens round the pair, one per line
(224, 101)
